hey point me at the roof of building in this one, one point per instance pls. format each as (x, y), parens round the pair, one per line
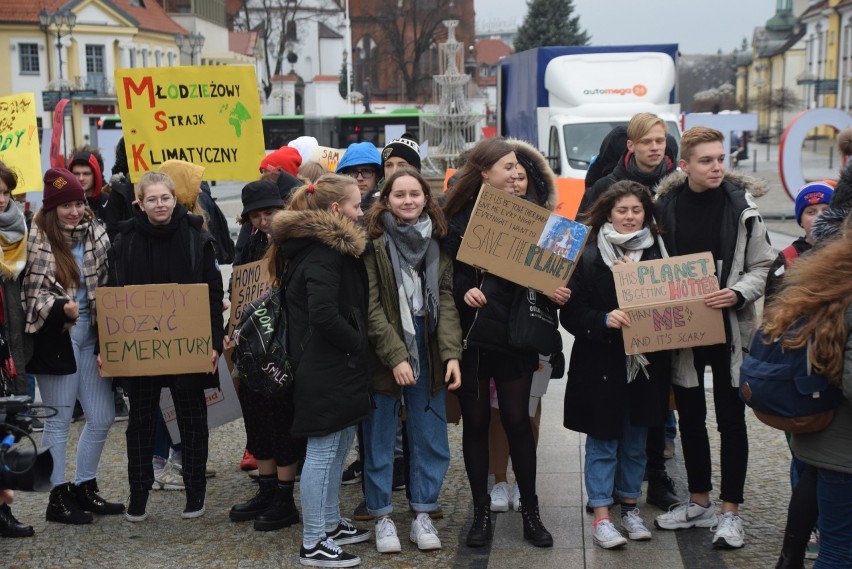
(491, 51)
(242, 42)
(148, 15)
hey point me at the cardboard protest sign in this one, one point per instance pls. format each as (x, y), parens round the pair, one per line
(161, 329)
(328, 157)
(248, 282)
(521, 242)
(665, 302)
(19, 141)
(207, 115)
(223, 406)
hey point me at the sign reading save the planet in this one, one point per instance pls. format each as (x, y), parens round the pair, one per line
(521, 242)
(665, 302)
(161, 329)
(207, 115)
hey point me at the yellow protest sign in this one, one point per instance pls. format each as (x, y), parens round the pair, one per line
(19, 140)
(207, 115)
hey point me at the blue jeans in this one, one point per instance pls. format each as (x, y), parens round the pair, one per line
(428, 448)
(617, 464)
(834, 496)
(320, 484)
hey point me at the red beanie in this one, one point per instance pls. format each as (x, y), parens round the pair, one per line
(285, 158)
(60, 186)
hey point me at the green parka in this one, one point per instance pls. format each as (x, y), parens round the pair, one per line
(384, 328)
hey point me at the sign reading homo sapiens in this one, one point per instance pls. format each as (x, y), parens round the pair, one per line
(521, 242)
(19, 148)
(207, 115)
(665, 302)
(248, 282)
(161, 329)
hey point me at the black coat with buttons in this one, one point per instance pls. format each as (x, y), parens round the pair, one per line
(597, 395)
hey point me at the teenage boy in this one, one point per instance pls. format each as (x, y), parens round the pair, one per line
(705, 209)
(363, 162)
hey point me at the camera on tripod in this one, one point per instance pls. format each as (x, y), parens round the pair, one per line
(26, 469)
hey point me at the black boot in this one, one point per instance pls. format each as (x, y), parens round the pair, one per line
(10, 527)
(282, 513)
(481, 531)
(786, 563)
(87, 498)
(661, 491)
(260, 503)
(136, 507)
(63, 508)
(194, 504)
(534, 530)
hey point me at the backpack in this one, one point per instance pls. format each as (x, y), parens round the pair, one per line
(779, 386)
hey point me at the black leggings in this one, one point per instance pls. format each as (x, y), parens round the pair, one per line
(514, 399)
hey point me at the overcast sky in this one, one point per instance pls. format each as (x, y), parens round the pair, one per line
(699, 26)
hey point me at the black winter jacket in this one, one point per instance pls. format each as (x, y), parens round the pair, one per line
(597, 395)
(327, 302)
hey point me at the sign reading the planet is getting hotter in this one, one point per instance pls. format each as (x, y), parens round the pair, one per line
(207, 115)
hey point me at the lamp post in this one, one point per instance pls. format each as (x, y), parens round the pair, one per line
(60, 19)
(195, 41)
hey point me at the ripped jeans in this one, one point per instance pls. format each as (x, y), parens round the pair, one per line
(428, 448)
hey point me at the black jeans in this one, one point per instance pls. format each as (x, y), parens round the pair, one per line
(730, 421)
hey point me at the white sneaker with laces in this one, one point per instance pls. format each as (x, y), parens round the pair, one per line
(687, 515)
(634, 526)
(424, 534)
(516, 498)
(729, 532)
(386, 538)
(500, 497)
(170, 478)
(606, 536)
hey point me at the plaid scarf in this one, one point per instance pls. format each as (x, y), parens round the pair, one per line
(41, 289)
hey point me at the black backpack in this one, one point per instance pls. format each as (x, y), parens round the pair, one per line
(780, 387)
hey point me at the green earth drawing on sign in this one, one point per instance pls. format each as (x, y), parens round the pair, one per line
(239, 114)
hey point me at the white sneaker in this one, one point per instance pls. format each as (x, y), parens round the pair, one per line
(170, 478)
(424, 534)
(729, 532)
(500, 497)
(687, 515)
(386, 538)
(516, 498)
(606, 536)
(634, 526)
(159, 463)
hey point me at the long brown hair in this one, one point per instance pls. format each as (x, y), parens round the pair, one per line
(599, 213)
(817, 289)
(374, 225)
(66, 271)
(482, 157)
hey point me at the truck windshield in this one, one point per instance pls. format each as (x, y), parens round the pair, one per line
(583, 140)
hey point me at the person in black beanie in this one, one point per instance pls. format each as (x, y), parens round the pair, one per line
(402, 151)
(120, 205)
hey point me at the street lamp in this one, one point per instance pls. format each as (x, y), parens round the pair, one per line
(60, 19)
(195, 41)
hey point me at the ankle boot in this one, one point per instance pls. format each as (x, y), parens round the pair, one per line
(534, 530)
(260, 503)
(10, 527)
(282, 512)
(661, 490)
(481, 531)
(63, 508)
(86, 495)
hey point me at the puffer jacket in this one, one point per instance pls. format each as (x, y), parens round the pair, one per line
(326, 301)
(384, 326)
(747, 256)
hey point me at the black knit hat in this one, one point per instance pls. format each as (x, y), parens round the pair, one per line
(404, 147)
(260, 195)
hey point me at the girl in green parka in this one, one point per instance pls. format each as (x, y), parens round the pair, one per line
(415, 336)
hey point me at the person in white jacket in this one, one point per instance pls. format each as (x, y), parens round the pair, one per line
(704, 209)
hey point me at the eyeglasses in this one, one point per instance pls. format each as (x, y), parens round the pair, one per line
(165, 200)
(365, 173)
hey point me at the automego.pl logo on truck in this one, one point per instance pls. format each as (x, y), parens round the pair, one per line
(637, 90)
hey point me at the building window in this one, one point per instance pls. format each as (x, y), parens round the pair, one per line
(158, 58)
(145, 57)
(95, 59)
(171, 58)
(28, 54)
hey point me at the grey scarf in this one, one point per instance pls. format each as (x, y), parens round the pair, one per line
(413, 253)
(12, 223)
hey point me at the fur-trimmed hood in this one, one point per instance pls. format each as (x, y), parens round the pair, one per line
(337, 232)
(756, 187)
(544, 192)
